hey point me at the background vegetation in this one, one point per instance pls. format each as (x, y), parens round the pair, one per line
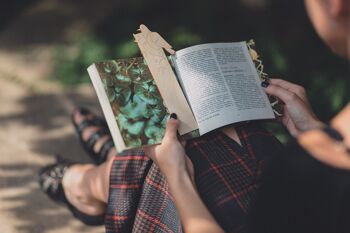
(284, 36)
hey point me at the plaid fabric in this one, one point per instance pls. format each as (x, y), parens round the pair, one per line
(227, 178)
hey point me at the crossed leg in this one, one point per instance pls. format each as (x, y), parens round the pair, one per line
(86, 187)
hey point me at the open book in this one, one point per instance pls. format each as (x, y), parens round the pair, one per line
(208, 86)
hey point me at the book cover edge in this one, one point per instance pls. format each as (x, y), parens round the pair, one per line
(106, 108)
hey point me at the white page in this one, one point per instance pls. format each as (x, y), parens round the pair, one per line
(221, 84)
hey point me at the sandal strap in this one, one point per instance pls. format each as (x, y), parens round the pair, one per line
(90, 143)
(100, 156)
(97, 121)
(50, 178)
(103, 153)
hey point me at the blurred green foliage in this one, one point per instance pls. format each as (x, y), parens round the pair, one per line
(284, 36)
(71, 63)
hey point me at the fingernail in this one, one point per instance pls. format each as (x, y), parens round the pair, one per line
(173, 115)
(265, 84)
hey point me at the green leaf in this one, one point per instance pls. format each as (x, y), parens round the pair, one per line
(107, 68)
(141, 74)
(122, 95)
(154, 133)
(109, 81)
(122, 121)
(157, 113)
(122, 80)
(111, 94)
(117, 66)
(130, 126)
(131, 141)
(148, 92)
(135, 128)
(135, 109)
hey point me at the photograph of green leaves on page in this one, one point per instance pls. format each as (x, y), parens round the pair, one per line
(136, 102)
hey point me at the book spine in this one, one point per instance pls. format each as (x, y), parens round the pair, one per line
(106, 108)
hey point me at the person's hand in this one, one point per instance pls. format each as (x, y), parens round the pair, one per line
(170, 155)
(297, 116)
(177, 168)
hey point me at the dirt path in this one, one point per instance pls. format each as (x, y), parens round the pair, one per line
(35, 114)
(34, 126)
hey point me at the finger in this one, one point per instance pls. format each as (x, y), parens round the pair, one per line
(285, 84)
(285, 95)
(171, 127)
(288, 122)
(292, 129)
(296, 89)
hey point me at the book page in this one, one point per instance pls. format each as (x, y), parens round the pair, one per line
(221, 84)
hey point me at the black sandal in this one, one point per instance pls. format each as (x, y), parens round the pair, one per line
(100, 156)
(50, 180)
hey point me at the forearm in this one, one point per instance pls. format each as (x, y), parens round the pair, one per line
(177, 168)
(194, 215)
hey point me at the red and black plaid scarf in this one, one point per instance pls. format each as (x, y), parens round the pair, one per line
(227, 178)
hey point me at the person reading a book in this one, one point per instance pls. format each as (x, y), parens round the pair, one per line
(131, 193)
(124, 190)
(305, 189)
(229, 160)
